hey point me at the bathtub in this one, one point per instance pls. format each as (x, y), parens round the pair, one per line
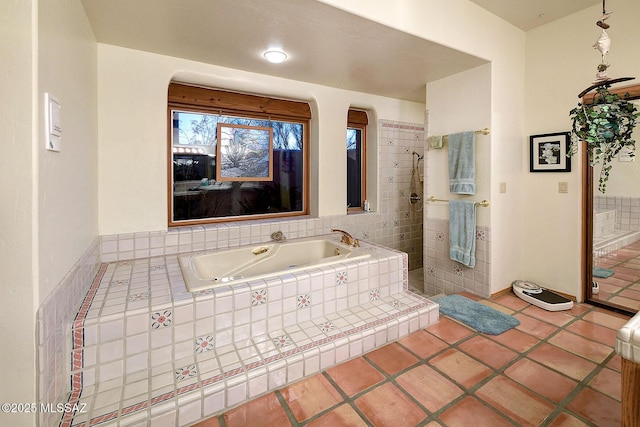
(222, 268)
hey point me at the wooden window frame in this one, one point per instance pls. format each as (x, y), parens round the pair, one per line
(358, 119)
(187, 97)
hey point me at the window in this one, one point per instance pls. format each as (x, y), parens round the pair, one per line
(235, 156)
(356, 159)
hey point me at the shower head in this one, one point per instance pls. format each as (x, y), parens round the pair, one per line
(419, 156)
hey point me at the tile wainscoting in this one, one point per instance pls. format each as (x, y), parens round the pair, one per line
(442, 275)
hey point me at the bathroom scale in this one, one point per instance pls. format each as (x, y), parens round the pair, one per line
(534, 294)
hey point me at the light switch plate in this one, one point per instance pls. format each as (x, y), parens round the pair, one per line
(563, 187)
(53, 123)
(503, 187)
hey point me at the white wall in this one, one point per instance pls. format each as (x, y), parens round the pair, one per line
(17, 289)
(561, 62)
(452, 110)
(49, 207)
(132, 87)
(66, 181)
(463, 25)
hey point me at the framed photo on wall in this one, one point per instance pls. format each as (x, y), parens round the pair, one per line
(548, 152)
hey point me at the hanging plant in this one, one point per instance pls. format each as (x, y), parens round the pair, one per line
(606, 126)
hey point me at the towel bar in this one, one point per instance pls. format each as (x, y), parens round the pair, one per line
(483, 203)
(485, 131)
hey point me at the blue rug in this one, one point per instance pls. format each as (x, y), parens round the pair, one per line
(602, 273)
(479, 316)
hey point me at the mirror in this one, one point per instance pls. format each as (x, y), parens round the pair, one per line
(612, 229)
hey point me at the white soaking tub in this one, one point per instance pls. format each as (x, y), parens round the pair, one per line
(223, 268)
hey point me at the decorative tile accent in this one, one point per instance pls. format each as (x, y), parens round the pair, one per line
(480, 235)
(259, 297)
(119, 282)
(157, 267)
(282, 341)
(389, 179)
(395, 303)
(457, 270)
(138, 297)
(396, 164)
(365, 235)
(341, 277)
(160, 320)
(204, 344)
(203, 293)
(186, 372)
(374, 294)
(304, 301)
(431, 271)
(327, 326)
(440, 236)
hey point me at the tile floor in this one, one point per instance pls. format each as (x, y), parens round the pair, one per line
(554, 369)
(623, 288)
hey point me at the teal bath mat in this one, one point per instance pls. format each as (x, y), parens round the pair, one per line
(479, 316)
(602, 273)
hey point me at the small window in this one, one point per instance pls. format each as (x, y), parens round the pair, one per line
(356, 160)
(235, 156)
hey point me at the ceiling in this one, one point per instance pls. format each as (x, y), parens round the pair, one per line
(325, 45)
(529, 14)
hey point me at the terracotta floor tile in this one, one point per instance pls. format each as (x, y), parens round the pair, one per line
(423, 344)
(488, 352)
(511, 301)
(601, 410)
(557, 318)
(392, 358)
(594, 332)
(386, 406)
(343, 415)
(562, 361)
(516, 340)
(540, 379)
(534, 327)
(608, 382)
(515, 401)
(429, 387)
(355, 376)
(448, 330)
(264, 411)
(462, 368)
(608, 320)
(581, 346)
(567, 420)
(615, 363)
(471, 412)
(311, 396)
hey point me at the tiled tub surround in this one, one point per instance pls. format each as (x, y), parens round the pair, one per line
(444, 276)
(146, 349)
(54, 320)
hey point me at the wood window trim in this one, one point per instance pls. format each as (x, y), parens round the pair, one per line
(235, 103)
(195, 98)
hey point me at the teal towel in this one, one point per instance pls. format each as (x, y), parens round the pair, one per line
(602, 273)
(462, 163)
(462, 232)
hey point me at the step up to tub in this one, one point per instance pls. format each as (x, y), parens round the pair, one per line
(146, 349)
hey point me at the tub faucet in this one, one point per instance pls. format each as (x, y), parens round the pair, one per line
(277, 236)
(347, 238)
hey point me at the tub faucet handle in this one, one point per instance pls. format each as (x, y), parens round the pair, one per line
(347, 238)
(277, 236)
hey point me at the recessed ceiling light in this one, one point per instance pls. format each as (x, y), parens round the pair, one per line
(275, 56)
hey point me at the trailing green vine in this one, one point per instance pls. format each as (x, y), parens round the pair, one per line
(606, 126)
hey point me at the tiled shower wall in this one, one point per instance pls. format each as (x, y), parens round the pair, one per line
(627, 210)
(395, 224)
